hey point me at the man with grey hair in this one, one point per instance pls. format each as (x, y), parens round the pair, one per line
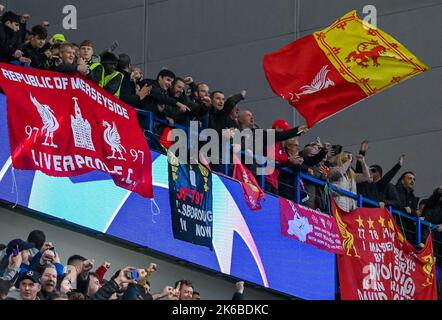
(247, 120)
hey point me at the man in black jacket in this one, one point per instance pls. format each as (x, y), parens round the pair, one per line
(380, 190)
(158, 100)
(129, 93)
(228, 116)
(35, 48)
(204, 100)
(177, 91)
(218, 100)
(408, 202)
(9, 38)
(300, 161)
(405, 188)
(159, 97)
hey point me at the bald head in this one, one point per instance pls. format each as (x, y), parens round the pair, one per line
(246, 120)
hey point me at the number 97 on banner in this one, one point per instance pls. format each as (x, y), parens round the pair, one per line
(137, 154)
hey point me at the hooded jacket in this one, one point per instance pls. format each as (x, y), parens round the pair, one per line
(9, 43)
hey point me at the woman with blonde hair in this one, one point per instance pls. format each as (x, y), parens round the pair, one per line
(343, 176)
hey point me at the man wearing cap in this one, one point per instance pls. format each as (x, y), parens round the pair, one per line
(280, 156)
(29, 287)
(112, 79)
(57, 39)
(105, 74)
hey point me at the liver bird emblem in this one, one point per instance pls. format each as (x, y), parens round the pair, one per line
(50, 123)
(113, 139)
(348, 238)
(319, 83)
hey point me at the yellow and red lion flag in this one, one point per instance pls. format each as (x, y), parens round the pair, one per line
(330, 70)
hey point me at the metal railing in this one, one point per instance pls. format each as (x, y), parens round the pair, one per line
(361, 201)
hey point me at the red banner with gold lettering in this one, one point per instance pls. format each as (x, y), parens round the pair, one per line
(65, 125)
(379, 263)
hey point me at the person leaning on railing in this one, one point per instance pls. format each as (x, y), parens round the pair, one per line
(36, 47)
(287, 186)
(432, 213)
(343, 176)
(10, 38)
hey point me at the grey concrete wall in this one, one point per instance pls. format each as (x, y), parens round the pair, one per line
(14, 225)
(100, 21)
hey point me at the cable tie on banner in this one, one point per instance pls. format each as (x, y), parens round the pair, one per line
(14, 187)
(154, 212)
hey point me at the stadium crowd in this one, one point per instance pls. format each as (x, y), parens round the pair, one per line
(178, 101)
(32, 270)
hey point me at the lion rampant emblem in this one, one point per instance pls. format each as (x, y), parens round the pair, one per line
(366, 51)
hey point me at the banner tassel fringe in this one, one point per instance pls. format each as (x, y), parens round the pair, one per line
(14, 188)
(154, 210)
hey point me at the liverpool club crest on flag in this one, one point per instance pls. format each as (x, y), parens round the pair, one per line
(65, 126)
(330, 70)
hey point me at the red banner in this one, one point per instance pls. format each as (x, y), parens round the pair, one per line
(379, 264)
(309, 226)
(253, 193)
(65, 126)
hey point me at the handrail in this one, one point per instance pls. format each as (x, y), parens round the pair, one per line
(151, 118)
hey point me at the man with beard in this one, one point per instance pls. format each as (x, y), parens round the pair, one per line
(183, 291)
(48, 281)
(177, 91)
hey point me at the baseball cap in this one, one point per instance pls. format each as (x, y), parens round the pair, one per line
(109, 57)
(281, 123)
(59, 37)
(31, 275)
(22, 245)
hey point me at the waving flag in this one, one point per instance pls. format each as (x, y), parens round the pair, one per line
(330, 70)
(253, 193)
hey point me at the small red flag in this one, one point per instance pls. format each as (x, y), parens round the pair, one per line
(253, 193)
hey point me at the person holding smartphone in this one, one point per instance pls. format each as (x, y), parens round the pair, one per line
(16, 259)
(343, 176)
